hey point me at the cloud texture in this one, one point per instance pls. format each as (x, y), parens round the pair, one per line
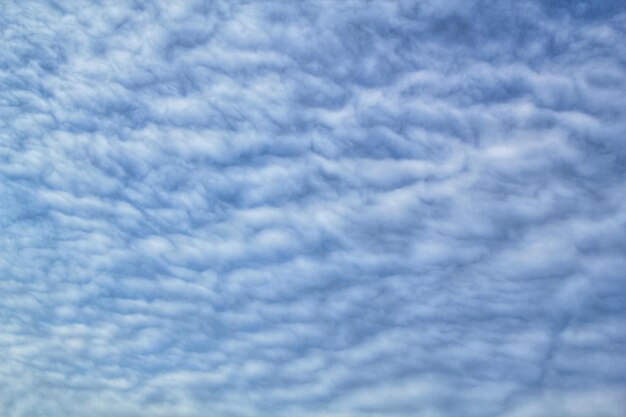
(316, 208)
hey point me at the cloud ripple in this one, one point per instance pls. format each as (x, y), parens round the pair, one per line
(356, 208)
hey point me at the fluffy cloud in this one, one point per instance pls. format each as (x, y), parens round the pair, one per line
(383, 208)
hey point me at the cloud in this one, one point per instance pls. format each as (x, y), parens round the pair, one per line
(407, 208)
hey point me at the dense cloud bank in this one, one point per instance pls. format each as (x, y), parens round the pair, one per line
(318, 208)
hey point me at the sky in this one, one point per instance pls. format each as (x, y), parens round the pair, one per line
(313, 208)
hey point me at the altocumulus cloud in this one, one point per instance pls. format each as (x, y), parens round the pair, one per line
(313, 208)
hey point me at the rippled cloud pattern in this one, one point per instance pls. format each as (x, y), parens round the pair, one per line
(313, 208)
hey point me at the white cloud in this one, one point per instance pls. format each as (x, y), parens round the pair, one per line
(403, 208)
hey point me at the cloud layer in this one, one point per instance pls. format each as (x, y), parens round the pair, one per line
(317, 208)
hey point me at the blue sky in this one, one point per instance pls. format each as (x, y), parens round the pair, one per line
(317, 208)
